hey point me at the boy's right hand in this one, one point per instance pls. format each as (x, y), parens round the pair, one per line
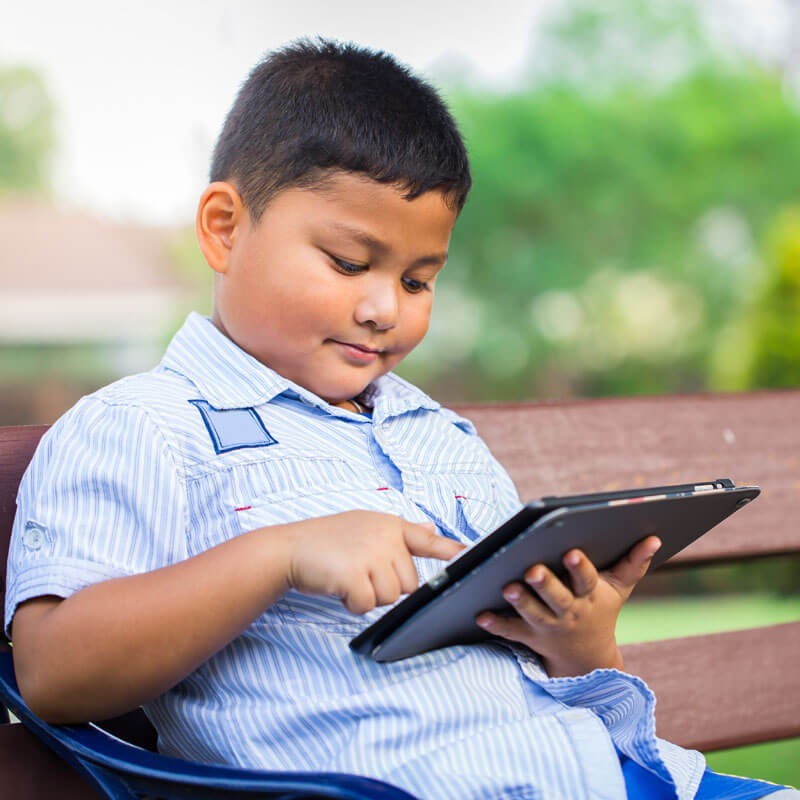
(363, 557)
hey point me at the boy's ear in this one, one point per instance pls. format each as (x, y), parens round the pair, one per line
(219, 215)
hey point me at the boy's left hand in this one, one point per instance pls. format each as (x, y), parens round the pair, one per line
(572, 626)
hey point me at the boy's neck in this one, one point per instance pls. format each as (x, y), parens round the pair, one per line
(354, 405)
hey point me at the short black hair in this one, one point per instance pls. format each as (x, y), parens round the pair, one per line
(317, 105)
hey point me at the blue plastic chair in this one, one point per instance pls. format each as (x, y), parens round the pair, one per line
(123, 771)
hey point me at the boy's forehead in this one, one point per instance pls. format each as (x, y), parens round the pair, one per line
(345, 187)
(368, 211)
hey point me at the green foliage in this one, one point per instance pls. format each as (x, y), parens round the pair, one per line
(611, 238)
(598, 46)
(776, 320)
(761, 347)
(26, 130)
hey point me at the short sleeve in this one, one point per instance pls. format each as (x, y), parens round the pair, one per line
(102, 498)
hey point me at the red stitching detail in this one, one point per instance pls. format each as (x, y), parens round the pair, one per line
(383, 488)
(460, 497)
(244, 508)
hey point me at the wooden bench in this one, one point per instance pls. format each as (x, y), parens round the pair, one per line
(715, 691)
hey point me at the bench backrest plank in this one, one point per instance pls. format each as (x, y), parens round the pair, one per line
(725, 689)
(606, 444)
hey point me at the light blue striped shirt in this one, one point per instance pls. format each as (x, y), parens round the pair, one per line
(158, 467)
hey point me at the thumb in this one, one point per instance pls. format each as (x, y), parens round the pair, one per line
(630, 569)
(422, 540)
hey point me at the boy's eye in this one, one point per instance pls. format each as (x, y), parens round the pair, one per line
(347, 266)
(412, 286)
(415, 286)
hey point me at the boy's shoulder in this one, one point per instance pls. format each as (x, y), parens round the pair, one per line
(158, 391)
(159, 394)
(150, 410)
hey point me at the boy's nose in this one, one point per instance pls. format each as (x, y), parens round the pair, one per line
(378, 306)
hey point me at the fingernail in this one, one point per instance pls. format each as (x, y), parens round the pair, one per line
(573, 559)
(537, 576)
(484, 622)
(511, 594)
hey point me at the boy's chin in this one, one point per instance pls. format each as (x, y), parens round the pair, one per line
(337, 398)
(343, 394)
(341, 385)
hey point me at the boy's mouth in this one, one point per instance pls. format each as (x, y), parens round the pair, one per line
(357, 352)
(359, 346)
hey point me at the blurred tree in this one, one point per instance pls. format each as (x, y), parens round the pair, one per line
(776, 332)
(26, 130)
(611, 233)
(598, 47)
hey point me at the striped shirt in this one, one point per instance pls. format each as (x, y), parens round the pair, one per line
(161, 466)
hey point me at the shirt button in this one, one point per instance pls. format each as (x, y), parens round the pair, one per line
(33, 538)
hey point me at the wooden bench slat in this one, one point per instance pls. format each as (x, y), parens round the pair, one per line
(723, 690)
(606, 444)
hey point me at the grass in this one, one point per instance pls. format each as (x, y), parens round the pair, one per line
(649, 619)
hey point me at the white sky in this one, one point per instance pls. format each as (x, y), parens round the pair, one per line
(141, 89)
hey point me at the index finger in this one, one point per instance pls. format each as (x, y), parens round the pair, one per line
(422, 540)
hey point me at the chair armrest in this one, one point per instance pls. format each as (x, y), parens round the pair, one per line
(122, 771)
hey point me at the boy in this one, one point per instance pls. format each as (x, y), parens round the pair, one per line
(205, 538)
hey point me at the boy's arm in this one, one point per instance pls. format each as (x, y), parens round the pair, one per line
(572, 627)
(119, 643)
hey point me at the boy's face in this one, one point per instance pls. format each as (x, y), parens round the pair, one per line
(326, 270)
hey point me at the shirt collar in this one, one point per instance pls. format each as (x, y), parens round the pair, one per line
(228, 377)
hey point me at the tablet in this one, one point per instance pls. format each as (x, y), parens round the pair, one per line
(605, 526)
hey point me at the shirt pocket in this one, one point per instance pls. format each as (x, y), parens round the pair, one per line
(480, 517)
(464, 504)
(323, 612)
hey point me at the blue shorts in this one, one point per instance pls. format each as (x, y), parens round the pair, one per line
(641, 784)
